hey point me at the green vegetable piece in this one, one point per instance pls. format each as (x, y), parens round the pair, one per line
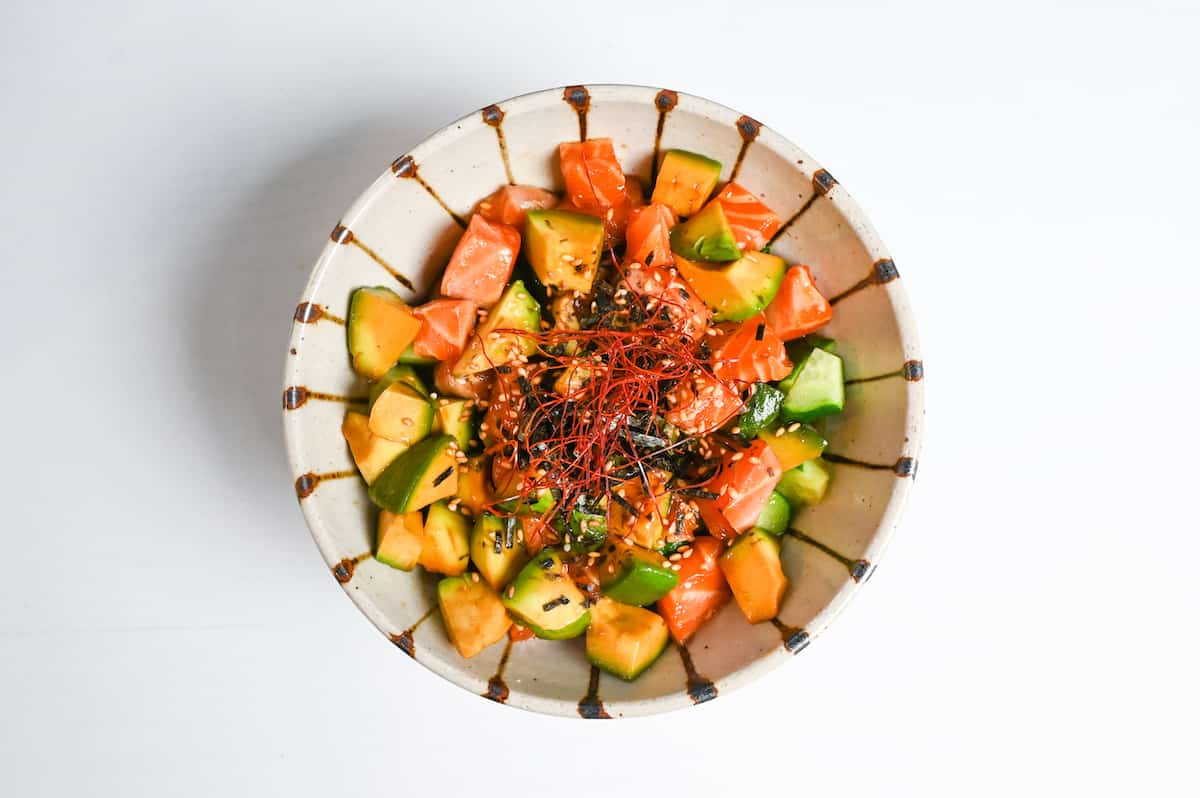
(761, 410)
(640, 578)
(545, 599)
(776, 515)
(793, 446)
(625, 640)
(685, 180)
(815, 387)
(807, 483)
(401, 372)
(588, 531)
(707, 236)
(421, 475)
(564, 248)
(488, 347)
(738, 290)
(495, 550)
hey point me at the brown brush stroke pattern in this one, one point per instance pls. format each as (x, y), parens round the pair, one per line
(911, 371)
(665, 101)
(404, 641)
(699, 688)
(795, 639)
(311, 313)
(493, 116)
(882, 272)
(857, 568)
(295, 396)
(308, 482)
(748, 129)
(344, 570)
(904, 467)
(345, 236)
(590, 706)
(405, 167)
(579, 99)
(497, 690)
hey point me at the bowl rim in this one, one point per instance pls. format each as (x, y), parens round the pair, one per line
(913, 421)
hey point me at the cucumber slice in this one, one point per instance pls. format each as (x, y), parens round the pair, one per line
(816, 387)
(762, 408)
(640, 578)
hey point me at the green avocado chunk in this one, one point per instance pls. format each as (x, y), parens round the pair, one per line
(495, 551)
(707, 236)
(488, 347)
(421, 475)
(625, 640)
(806, 483)
(738, 290)
(776, 515)
(545, 599)
(685, 179)
(564, 248)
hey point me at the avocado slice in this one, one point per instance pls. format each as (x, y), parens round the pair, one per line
(495, 551)
(806, 483)
(707, 236)
(446, 549)
(640, 578)
(738, 290)
(685, 179)
(371, 453)
(761, 410)
(380, 326)
(754, 572)
(472, 612)
(564, 248)
(625, 640)
(815, 387)
(401, 414)
(776, 515)
(487, 348)
(420, 476)
(456, 418)
(793, 444)
(472, 485)
(401, 372)
(399, 539)
(545, 599)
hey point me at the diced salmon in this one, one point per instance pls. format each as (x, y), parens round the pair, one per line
(749, 351)
(445, 326)
(689, 315)
(752, 221)
(702, 404)
(700, 592)
(510, 204)
(743, 487)
(648, 235)
(593, 175)
(482, 262)
(799, 308)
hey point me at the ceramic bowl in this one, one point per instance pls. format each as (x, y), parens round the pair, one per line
(400, 233)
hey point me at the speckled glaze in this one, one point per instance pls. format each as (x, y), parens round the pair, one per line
(401, 231)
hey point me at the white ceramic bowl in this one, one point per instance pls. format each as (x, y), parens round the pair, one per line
(401, 231)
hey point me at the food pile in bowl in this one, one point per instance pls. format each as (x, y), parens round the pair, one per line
(608, 415)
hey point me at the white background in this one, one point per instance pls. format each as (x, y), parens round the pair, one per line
(167, 176)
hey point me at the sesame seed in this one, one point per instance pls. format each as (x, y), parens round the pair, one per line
(675, 557)
(736, 430)
(736, 457)
(779, 432)
(433, 395)
(676, 567)
(474, 577)
(793, 427)
(688, 553)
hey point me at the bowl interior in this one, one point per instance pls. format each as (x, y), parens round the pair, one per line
(401, 231)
